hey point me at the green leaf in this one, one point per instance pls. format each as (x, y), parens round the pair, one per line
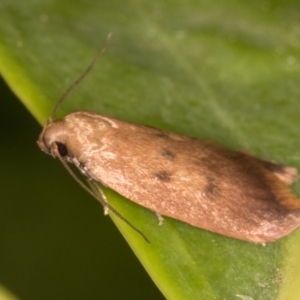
(6, 295)
(227, 71)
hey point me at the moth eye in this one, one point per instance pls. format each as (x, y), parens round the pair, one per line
(62, 149)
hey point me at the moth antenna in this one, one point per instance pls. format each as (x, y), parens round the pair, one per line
(100, 199)
(81, 77)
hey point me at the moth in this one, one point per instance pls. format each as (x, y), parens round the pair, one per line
(199, 182)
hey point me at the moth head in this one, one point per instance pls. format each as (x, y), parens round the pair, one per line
(53, 134)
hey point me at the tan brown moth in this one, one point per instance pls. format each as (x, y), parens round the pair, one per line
(198, 182)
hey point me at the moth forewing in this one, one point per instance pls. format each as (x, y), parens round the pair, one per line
(198, 182)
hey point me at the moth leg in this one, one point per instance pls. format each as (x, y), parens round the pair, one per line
(106, 208)
(284, 173)
(85, 172)
(160, 219)
(105, 203)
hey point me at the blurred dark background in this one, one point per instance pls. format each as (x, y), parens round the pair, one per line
(55, 242)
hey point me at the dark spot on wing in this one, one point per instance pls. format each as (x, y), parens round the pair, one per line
(167, 154)
(161, 134)
(211, 188)
(163, 176)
